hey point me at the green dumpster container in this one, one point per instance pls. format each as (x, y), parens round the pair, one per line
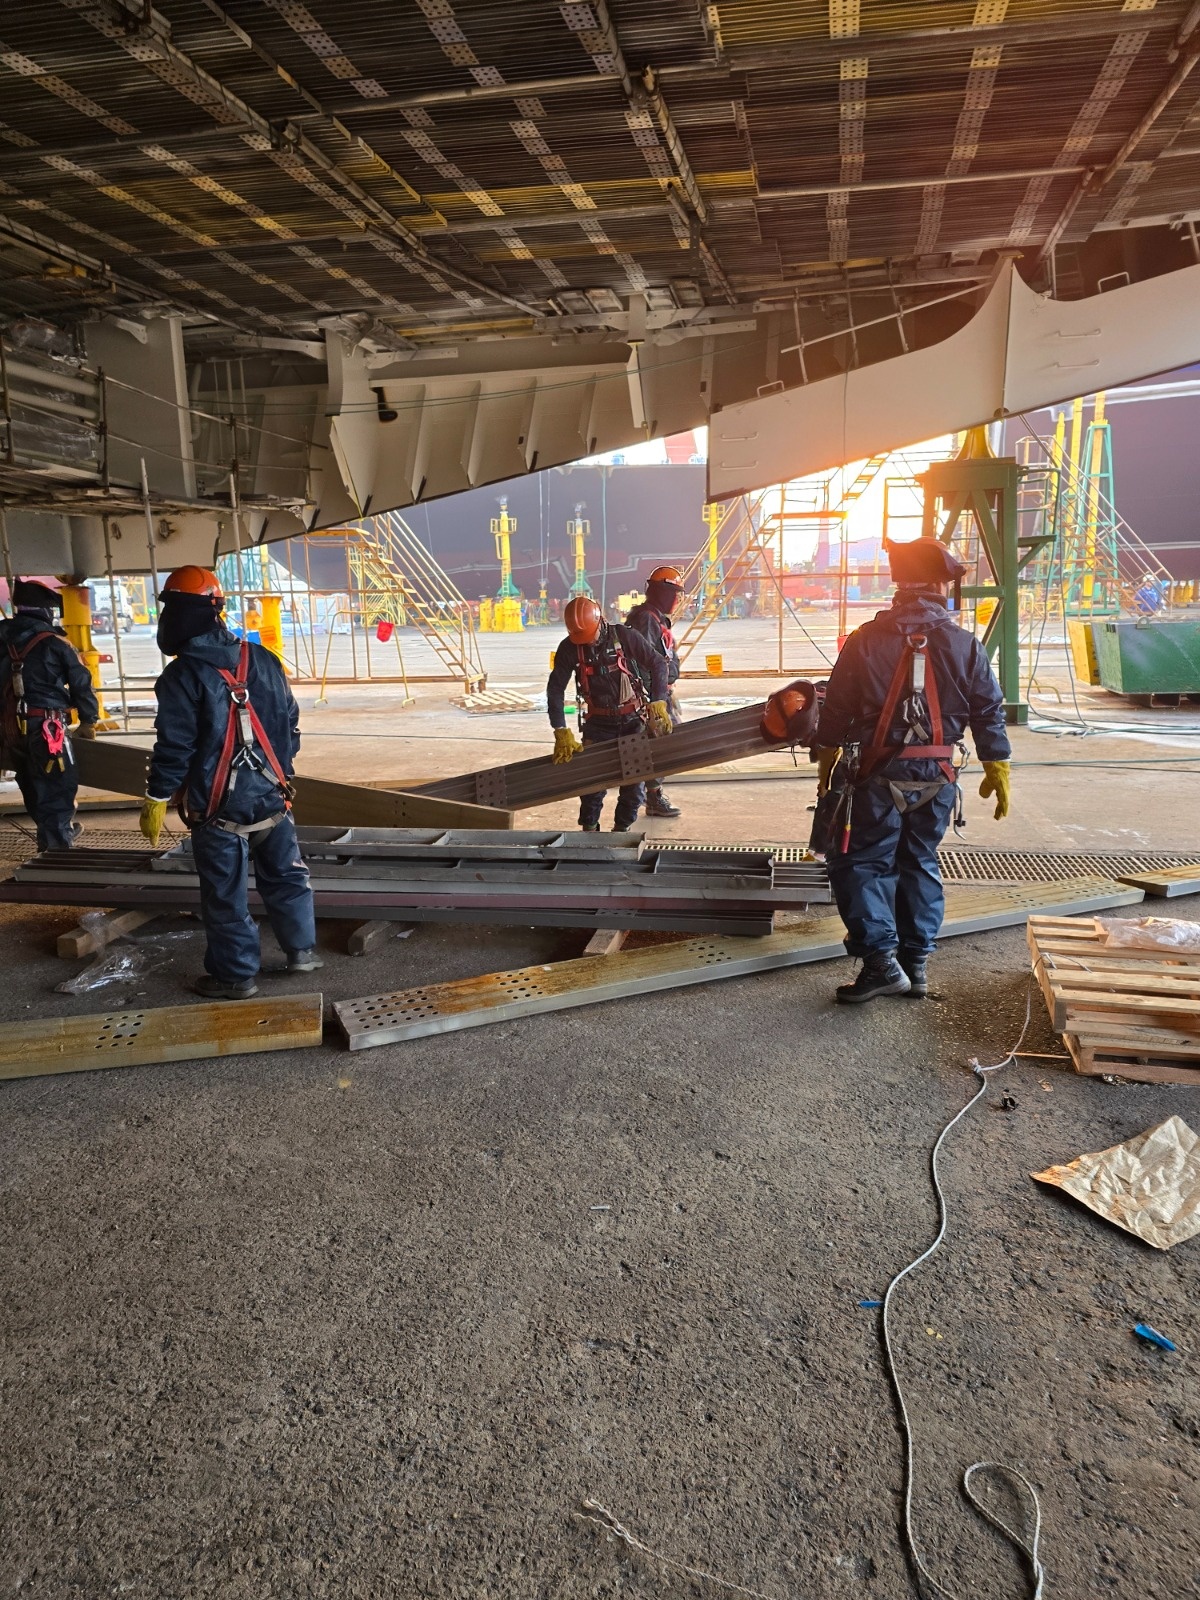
(1148, 655)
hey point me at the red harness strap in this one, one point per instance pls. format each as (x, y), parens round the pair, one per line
(879, 751)
(238, 736)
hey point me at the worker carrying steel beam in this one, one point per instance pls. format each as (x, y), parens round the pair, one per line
(611, 665)
(652, 619)
(42, 680)
(226, 738)
(901, 695)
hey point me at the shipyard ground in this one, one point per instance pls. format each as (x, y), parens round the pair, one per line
(321, 1324)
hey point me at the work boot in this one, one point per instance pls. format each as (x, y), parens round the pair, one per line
(225, 988)
(657, 805)
(589, 827)
(918, 975)
(294, 961)
(879, 974)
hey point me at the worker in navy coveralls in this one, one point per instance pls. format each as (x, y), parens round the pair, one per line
(902, 693)
(227, 734)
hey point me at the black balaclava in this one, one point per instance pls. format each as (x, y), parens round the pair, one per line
(185, 616)
(35, 599)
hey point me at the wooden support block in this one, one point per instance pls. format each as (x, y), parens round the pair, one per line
(87, 941)
(1168, 882)
(369, 936)
(170, 1033)
(606, 941)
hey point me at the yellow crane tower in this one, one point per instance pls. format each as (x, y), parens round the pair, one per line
(578, 531)
(505, 612)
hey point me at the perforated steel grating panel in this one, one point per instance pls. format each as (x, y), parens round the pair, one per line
(961, 865)
(18, 843)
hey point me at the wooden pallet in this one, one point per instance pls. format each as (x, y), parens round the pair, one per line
(1121, 1012)
(494, 700)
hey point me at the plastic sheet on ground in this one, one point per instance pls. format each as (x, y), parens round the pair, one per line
(1150, 1185)
(112, 966)
(1151, 933)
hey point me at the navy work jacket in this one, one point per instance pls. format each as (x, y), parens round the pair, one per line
(193, 714)
(656, 630)
(639, 658)
(966, 685)
(55, 677)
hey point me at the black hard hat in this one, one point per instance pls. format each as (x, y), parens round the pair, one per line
(923, 561)
(40, 596)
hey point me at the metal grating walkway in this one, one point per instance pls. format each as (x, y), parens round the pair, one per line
(962, 865)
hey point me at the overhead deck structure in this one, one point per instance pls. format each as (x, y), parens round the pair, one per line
(316, 261)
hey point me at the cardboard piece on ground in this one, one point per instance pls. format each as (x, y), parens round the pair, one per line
(1150, 1185)
(496, 997)
(132, 1038)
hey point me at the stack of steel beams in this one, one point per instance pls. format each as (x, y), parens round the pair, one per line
(550, 879)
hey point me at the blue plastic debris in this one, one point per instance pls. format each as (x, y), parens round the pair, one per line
(1152, 1336)
(870, 1305)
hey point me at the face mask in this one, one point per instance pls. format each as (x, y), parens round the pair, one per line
(185, 616)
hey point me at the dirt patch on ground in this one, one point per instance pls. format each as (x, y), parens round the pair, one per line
(316, 1324)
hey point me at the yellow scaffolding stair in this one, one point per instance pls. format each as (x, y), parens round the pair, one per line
(396, 579)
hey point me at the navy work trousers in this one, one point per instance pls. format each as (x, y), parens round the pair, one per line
(223, 862)
(49, 796)
(597, 730)
(888, 886)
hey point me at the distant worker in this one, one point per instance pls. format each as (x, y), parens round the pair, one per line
(902, 693)
(227, 733)
(1149, 597)
(609, 662)
(652, 619)
(42, 680)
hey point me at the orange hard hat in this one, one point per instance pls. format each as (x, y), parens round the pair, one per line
(194, 580)
(670, 575)
(790, 714)
(583, 618)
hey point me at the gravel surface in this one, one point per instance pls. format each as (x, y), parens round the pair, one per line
(373, 1325)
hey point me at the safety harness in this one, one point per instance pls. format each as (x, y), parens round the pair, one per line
(17, 713)
(604, 665)
(245, 747)
(923, 740)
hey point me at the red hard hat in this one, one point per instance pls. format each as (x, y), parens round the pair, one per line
(790, 715)
(583, 618)
(670, 575)
(194, 580)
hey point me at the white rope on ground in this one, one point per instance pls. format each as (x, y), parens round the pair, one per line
(927, 1583)
(593, 1511)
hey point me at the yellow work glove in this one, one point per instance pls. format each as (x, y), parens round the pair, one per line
(828, 757)
(154, 815)
(997, 781)
(660, 719)
(86, 730)
(566, 745)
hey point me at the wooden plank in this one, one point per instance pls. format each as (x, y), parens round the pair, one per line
(1167, 882)
(171, 1033)
(119, 766)
(605, 941)
(369, 936)
(87, 941)
(495, 997)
